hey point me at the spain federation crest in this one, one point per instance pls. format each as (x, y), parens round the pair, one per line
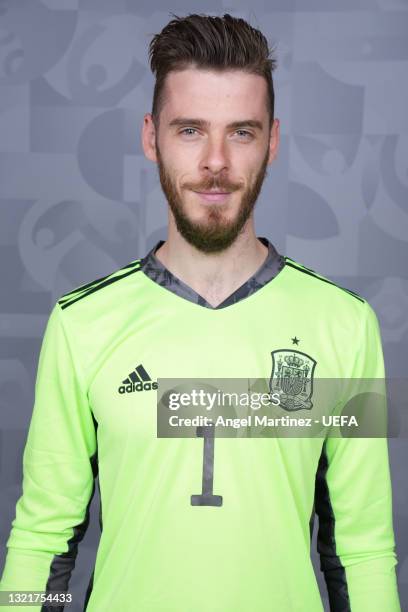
(292, 378)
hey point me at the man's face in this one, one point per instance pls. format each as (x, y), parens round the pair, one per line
(198, 150)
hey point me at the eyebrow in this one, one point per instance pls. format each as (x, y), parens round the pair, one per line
(202, 123)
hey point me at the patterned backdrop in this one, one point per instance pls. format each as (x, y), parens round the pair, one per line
(79, 199)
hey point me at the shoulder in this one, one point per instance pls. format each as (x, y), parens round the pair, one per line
(316, 284)
(94, 314)
(322, 300)
(105, 287)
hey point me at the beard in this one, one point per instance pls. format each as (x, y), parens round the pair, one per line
(216, 233)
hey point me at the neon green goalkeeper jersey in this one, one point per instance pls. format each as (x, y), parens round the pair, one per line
(165, 546)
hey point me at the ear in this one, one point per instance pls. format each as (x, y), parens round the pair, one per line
(149, 137)
(274, 140)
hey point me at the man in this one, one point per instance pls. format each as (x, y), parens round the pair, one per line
(213, 300)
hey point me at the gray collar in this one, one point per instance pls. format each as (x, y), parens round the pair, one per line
(157, 272)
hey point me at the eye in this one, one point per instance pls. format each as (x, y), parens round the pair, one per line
(184, 130)
(246, 133)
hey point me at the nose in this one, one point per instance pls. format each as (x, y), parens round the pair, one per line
(214, 156)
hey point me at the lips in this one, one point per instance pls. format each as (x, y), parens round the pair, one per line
(211, 191)
(213, 196)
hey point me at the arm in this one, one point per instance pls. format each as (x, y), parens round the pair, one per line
(353, 500)
(59, 467)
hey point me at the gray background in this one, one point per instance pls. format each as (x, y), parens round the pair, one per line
(79, 200)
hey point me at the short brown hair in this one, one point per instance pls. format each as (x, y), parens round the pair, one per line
(204, 41)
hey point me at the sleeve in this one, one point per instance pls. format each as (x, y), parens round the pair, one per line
(59, 470)
(353, 499)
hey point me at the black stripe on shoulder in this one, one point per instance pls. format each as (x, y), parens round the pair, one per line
(67, 296)
(294, 264)
(111, 278)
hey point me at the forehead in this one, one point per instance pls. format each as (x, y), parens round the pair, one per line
(209, 92)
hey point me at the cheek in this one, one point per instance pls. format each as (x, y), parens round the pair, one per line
(253, 168)
(180, 164)
(245, 161)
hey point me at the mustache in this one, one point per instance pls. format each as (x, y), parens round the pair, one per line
(212, 184)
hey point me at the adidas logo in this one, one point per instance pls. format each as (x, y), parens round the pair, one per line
(138, 380)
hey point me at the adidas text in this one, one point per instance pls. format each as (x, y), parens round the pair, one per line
(139, 386)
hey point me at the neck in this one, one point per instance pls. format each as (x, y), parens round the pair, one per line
(214, 276)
